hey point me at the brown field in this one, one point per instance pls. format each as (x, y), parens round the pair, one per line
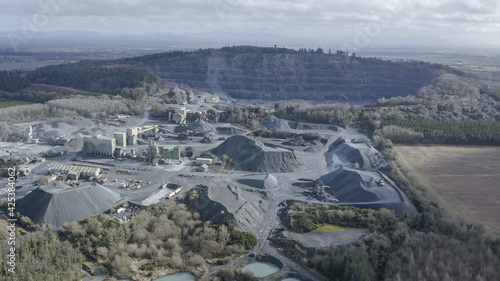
(465, 180)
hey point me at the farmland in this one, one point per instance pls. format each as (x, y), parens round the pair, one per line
(463, 179)
(5, 104)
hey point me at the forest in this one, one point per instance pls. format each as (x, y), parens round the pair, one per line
(471, 132)
(160, 241)
(130, 83)
(12, 82)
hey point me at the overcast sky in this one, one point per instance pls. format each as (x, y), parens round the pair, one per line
(358, 24)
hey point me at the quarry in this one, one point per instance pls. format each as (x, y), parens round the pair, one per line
(220, 170)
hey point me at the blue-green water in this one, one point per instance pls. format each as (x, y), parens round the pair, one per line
(183, 276)
(261, 269)
(290, 279)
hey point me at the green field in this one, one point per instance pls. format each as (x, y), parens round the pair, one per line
(5, 104)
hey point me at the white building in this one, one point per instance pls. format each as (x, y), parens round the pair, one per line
(99, 145)
(121, 139)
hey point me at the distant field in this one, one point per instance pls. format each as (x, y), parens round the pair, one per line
(25, 65)
(464, 179)
(5, 104)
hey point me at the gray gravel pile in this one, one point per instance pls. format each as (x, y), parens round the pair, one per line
(358, 155)
(57, 203)
(266, 181)
(251, 155)
(277, 124)
(353, 155)
(198, 125)
(229, 131)
(351, 186)
(310, 149)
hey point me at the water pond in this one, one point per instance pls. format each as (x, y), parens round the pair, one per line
(261, 269)
(183, 276)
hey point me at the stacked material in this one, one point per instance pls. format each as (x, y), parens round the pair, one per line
(57, 203)
(262, 181)
(277, 124)
(251, 155)
(198, 126)
(349, 185)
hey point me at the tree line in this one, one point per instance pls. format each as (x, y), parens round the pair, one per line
(469, 132)
(85, 75)
(76, 106)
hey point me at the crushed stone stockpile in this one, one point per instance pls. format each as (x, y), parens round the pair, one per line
(359, 155)
(277, 124)
(251, 155)
(198, 125)
(306, 126)
(229, 131)
(219, 203)
(267, 181)
(310, 149)
(57, 203)
(352, 186)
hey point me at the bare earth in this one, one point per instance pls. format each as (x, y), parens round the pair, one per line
(464, 179)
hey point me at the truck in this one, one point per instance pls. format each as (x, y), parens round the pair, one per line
(173, 193)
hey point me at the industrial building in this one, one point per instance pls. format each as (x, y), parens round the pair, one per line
(206, 161)
(172, 153)
(99, 145)
(121, 139)
(179, 115)
(76, 171)
(73, 175)
(135, 133)
(132, 135)
(153, 150)
(29, 132)
(147, 131)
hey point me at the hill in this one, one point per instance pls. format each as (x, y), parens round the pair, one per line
(246, 72)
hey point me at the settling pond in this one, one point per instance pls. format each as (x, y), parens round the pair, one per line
(261, 269)
(183, 276)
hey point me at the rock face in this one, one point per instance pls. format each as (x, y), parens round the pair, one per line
(279, 74)
(251, 155)
(58, 203)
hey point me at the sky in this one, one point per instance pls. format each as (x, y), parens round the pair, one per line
(356, 24)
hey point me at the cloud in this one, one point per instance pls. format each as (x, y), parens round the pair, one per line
(288, 17)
